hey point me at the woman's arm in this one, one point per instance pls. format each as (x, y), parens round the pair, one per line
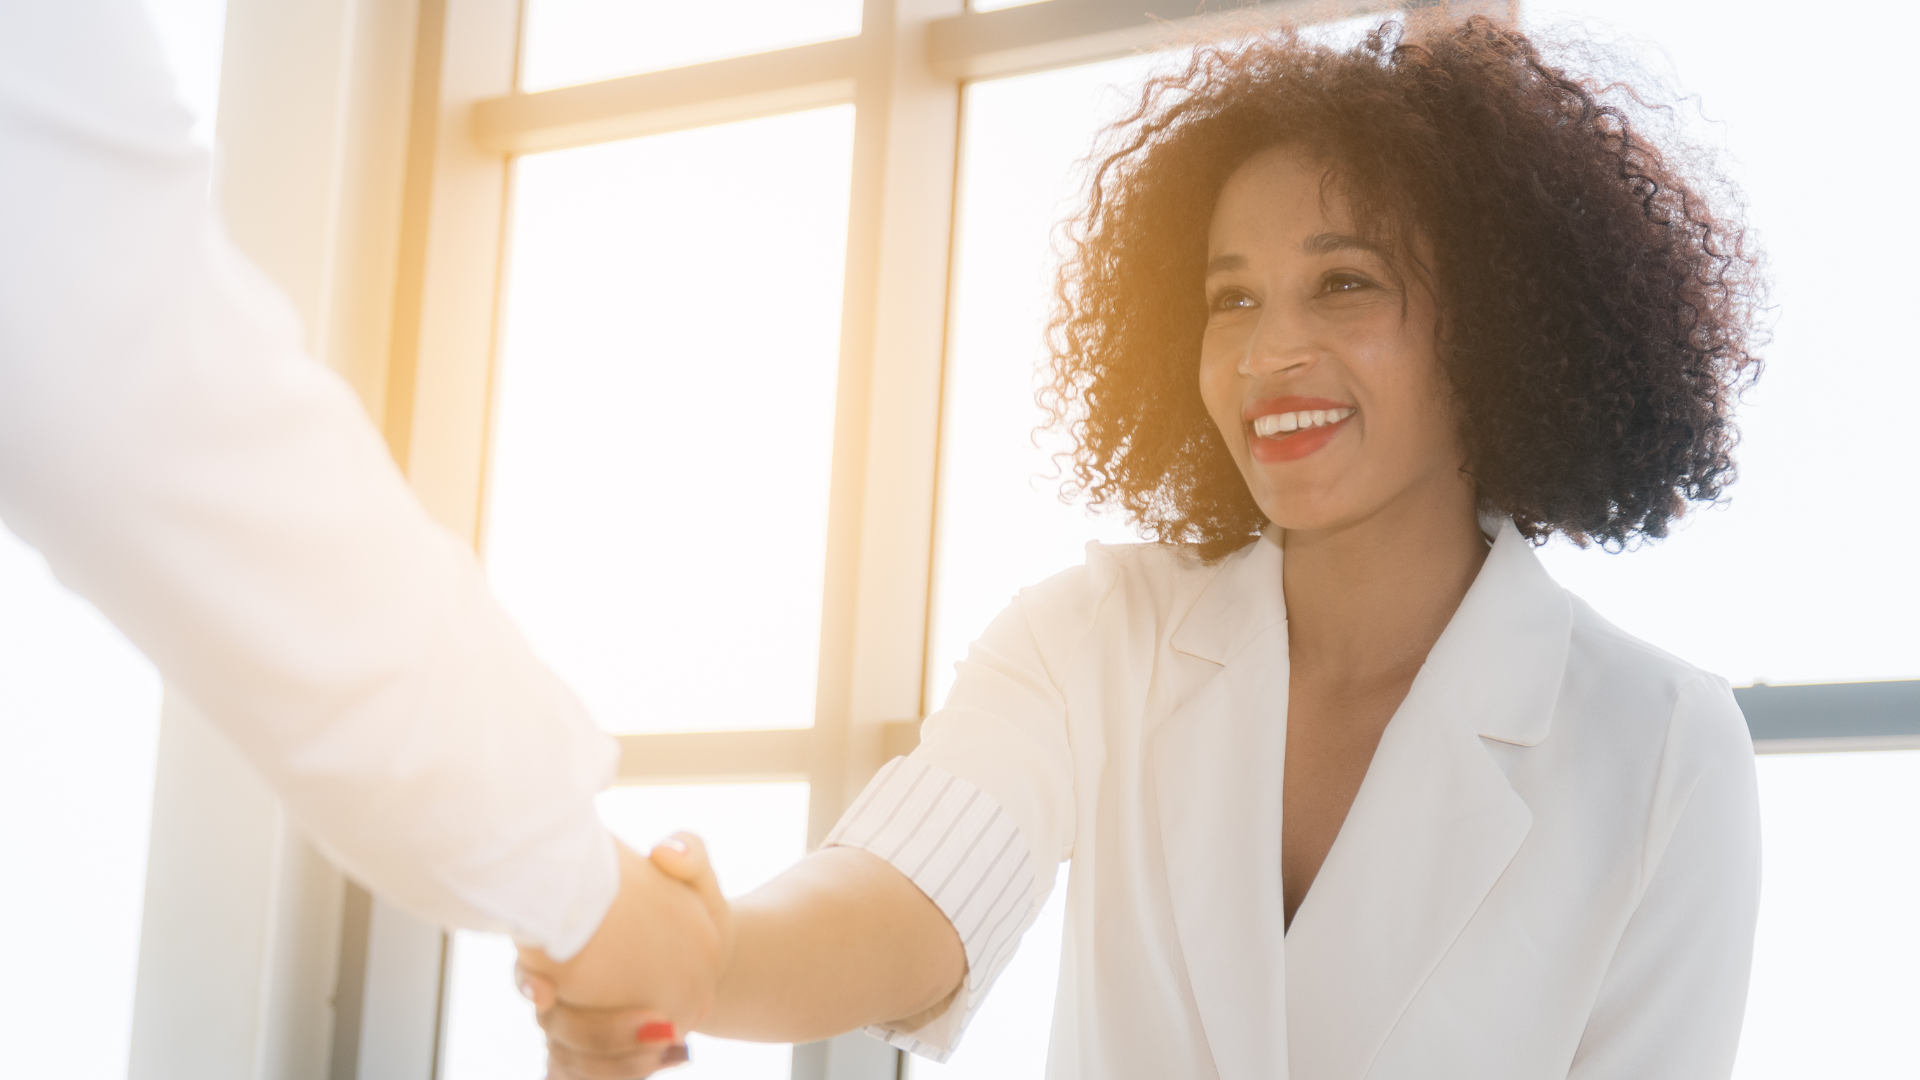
(839, 941)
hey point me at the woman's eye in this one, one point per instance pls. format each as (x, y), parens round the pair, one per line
(1231, 300)
(1344, 283)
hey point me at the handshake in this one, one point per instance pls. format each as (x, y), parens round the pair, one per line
(622, 1006)
(840, 940)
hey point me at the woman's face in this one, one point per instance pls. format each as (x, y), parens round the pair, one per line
(1318, 363)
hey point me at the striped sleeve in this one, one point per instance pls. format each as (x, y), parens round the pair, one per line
(965, 852)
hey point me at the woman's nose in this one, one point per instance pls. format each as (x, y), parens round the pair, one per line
(1278, 345)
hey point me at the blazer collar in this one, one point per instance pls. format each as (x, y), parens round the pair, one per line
(1499, 659)
(1244, 597)
(1434, 825)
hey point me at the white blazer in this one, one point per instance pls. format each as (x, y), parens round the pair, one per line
(1550, 870)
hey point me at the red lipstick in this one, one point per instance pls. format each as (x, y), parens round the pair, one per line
(1297, 426)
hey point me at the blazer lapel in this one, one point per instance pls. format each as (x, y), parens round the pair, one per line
(1435, 822)
(1217, 766)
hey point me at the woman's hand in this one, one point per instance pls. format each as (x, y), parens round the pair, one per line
(621, 1008)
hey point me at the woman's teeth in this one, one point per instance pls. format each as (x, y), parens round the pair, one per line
(1282, 423)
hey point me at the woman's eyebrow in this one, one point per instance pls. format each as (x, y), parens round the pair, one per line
(1328, 243)
(1220, 264)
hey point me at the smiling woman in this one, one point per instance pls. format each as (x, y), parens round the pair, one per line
(1350, 787)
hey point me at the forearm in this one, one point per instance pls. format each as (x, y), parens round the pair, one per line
(839, 941)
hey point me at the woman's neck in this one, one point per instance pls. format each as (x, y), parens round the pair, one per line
(1367, 601)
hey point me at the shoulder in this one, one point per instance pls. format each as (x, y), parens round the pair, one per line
(1649, 696)
(1158, 576)
(1137, 591)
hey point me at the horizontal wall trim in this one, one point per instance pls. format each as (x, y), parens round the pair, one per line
(1883, 714)
(709, 757)
(712, 757)
(739, 88)
(1841, 745)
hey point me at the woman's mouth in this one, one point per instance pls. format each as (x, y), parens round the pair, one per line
(1287, 423)
(1287, 431)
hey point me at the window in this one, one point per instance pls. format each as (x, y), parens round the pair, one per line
(568, 42)
(79, 727)
(666, 558)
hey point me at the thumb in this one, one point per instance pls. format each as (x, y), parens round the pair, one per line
(683, 857)
(535, 987)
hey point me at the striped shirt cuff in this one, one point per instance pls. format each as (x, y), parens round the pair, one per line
(955, 842)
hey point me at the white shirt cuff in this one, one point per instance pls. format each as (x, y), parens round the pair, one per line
(964, 851)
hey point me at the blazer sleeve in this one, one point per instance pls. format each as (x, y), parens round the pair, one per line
(1674, 996)
(982, 814)
(181, 463)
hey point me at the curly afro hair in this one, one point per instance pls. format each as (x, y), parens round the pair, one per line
(1597, 311)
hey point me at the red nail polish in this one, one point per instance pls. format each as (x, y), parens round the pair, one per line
(656, 1031)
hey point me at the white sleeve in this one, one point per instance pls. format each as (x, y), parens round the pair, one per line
(983, 813)
(223, 499)
(961, 849)
(1672, 1002)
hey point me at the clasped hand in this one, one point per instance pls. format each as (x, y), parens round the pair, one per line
(621, 1008)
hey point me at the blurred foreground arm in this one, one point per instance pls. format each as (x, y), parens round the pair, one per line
(223, 499)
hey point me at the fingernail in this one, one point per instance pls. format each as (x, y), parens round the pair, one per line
(675, 1054)
(675, 843)
(656, 1031)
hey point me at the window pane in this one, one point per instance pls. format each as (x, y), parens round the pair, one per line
(576, 41)
(79, 726)
(754, 831)
(657, 520)
(1836, 968)
(1807, 575)
(1001, 525)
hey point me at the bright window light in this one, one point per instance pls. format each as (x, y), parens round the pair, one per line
(1001, 524)
(658, 510)
(1836, 967)
(577, 41)
(79, 726)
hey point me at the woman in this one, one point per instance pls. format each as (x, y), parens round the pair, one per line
(1350, 787)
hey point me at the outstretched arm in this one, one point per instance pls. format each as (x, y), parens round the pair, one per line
(840, 940)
